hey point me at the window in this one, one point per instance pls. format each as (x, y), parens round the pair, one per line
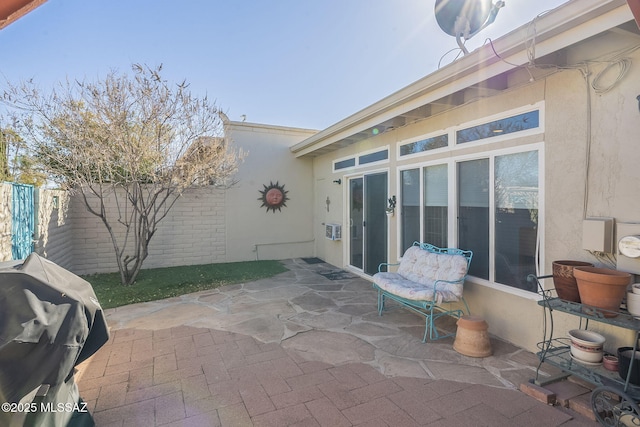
(427, 213)
(498, 216)
(362, 159)
(473, 213)
(410, 207)
(499, 127)
(516, 218)
(486, 202)
(427, 144)
(343, 164)
(435, 205)
(373, 157)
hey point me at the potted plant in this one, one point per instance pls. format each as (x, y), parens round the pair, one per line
(564, 280)
(602, 287)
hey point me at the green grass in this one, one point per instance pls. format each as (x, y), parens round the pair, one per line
(158, 283)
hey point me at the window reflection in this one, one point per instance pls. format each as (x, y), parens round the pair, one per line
(530, 120)
(425, 145)
(410, 199)
(435, 205)
(343, 164)
(516, 218)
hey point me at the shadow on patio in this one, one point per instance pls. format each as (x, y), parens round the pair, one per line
(300, 349)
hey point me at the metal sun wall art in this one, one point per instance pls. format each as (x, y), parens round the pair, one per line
(273, 197)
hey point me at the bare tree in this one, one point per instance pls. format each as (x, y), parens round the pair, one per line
(132, 140)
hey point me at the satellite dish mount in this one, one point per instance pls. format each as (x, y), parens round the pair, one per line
(464, 19)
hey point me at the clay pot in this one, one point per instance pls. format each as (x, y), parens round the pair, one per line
(610, 363)
(602, 287)
(472, 338)
(565, 281)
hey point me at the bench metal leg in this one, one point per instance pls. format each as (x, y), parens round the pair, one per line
(430, 311)
(380, 302)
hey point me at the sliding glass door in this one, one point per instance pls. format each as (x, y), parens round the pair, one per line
(368, 221)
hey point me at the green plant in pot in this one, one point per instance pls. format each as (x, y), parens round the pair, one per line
(602, 288)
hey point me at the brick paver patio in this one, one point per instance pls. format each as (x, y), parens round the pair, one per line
(187, 376)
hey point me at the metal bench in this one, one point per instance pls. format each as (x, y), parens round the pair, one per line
(427, 278)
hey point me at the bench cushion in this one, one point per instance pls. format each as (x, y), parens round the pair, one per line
(419, 270)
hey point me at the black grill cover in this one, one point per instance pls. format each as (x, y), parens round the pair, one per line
(50, 321)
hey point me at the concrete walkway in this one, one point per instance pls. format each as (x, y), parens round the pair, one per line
(305, 347)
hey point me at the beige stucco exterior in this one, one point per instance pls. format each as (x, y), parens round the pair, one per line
(587, 140)
(577, 117)
(253, 232)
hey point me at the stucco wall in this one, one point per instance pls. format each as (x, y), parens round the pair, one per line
(612, 186)
(252, 231)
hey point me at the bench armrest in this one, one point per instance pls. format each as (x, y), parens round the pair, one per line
(386, 264)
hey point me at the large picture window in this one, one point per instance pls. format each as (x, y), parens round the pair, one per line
(410, 207)
(496, 212)
(473, 213)
(498, 216)
(424, 206)
(435, 205)
(516, 218)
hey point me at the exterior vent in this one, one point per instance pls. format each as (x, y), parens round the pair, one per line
(333, 231)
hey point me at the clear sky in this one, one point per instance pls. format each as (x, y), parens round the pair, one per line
(300, 63)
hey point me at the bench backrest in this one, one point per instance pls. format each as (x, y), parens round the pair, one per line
(424, 263)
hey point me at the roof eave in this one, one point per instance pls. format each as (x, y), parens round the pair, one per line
(555, 30)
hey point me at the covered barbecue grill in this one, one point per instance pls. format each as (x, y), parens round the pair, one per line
(50, 321)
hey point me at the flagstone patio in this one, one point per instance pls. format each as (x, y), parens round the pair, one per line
(300, 349)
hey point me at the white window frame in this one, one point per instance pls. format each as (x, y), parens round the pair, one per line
(498, 138)
(428, 152)
(357, 156)
(457, 155)
(453, 186)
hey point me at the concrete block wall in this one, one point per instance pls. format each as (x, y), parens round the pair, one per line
(53, 227)
(192, 233)
(5, 221)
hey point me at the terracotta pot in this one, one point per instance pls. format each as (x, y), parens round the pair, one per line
(565, 281)
(602, 287)
(472, 337)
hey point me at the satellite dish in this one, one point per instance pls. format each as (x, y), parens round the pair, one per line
(463, 19)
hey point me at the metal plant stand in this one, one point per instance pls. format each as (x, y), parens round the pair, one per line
(614, 400)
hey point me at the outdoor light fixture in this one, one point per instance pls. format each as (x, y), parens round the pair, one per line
(391, 207)
(337, 181)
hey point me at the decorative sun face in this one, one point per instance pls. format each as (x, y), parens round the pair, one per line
(273, 197)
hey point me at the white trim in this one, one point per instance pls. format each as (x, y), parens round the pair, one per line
(420, 138)
(356, 158)
(538, 106)
(342, 159)
(451, 131)
(346, 261)
(453, 193)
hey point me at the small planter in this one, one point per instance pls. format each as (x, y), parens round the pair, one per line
(602, 288)
(564, 280)
(610, 362)
(625, 355)
(586, 346)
